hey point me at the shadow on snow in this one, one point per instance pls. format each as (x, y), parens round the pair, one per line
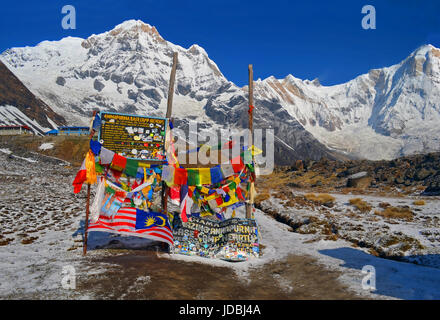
(393, 278)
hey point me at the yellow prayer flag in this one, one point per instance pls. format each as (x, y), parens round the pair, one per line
(255, 150)
(204, 190)
(205, 175)
(211, 197)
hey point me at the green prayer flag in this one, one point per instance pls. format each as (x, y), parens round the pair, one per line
(193, 177)
(131, 167)
(98, 168)
(110, 190)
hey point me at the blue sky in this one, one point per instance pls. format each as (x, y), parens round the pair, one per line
(308, 39)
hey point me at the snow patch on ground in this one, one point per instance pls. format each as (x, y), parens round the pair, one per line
(46, 146)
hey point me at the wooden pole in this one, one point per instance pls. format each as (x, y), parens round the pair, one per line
(165, 190)
(249, 205)
(171, 86)
(86, 225)
(92, 131)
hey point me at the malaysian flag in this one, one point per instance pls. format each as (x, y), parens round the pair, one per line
(135, 222)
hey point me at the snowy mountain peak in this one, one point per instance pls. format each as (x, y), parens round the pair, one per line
(132, 23)
(422, 61)
(137, 26)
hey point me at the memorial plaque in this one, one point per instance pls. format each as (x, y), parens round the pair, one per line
(233, 239)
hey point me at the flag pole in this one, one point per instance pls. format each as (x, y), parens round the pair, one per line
(249, 205)
(86, 225)
(165, 190)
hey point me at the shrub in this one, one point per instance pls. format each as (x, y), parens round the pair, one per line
(360, 204)
(396, 213)
(419, 202)
(320, 198)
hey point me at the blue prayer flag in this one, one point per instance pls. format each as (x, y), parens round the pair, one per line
(216, 174)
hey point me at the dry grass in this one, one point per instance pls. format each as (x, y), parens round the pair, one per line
(290, 203)
(396, 213)
(360, 204)
(261, 197)
(311, 178)
(320, 198)
(419, 202)
(29, 240)
(276, 181)
(384, 205)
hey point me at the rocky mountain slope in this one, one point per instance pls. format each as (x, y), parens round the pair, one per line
(412, 175)
(383, 114)
(19, 106)
(380, 115)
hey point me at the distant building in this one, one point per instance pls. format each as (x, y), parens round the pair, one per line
(69, 131)
(15, 130)
(53, 132)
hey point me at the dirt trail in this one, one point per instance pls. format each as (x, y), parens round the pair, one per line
(143, 275)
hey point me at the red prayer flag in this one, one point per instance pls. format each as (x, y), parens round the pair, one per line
(180, 176)
(119, 162)
(237, 164)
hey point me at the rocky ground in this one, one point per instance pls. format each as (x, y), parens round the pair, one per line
(42, 225)
(407, 175)
(389, 207)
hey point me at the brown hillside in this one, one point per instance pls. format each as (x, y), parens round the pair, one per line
(13, 92)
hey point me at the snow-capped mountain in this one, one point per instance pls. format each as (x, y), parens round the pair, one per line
(127, 70)
(382, 114)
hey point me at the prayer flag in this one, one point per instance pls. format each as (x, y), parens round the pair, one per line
(119, 162)
(193, 177)
(180, 176)
(205, 175)
(216, 174)
(227, 169)
(131, 167)
(237, 164)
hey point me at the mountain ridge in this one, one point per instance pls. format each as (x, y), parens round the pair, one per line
(127, 70)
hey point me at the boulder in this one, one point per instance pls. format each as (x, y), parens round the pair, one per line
(60, 81)
(432, 190)
(98, 85)
(359, 180)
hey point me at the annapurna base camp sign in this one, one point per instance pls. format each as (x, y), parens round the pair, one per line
(132, 136)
